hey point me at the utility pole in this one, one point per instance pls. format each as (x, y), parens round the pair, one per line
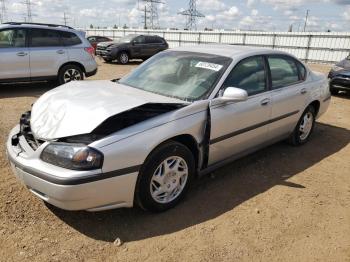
(3, 16)
(192, 14)
(145, 18)
(29, 10)
(65, 18)
(306, 18)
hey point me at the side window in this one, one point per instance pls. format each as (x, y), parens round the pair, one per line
(149, 40)
(45, 38)
(158, 40)
(249, 75)
(12, 38)
(70, 39)
(140, 40)
(284, 72)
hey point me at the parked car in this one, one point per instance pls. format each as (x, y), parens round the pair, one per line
(94, 40)
(141, 140)
(37, 52)
(339, 76)
(132, 47)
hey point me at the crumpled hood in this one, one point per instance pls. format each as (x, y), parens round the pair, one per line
(79, 107)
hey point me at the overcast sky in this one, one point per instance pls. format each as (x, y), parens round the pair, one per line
(223, 14)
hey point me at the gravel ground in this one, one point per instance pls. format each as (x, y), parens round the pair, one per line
(279, 204)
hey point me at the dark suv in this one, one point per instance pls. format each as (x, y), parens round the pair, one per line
(131, 47)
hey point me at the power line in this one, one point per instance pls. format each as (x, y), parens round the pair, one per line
(192, 14)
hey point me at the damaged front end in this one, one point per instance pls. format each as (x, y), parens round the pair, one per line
(109, 126)
(26, 132)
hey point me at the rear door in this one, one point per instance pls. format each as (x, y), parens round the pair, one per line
(289, 95)
(154, 45)
(47, 53)
(14, 54)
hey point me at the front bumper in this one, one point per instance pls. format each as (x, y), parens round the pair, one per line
(68, 189)
(340, 83)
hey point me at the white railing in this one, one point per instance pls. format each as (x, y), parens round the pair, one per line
(310, 47)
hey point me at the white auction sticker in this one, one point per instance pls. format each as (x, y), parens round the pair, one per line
(210, 66)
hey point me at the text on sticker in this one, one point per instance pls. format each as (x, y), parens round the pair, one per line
(210, 66)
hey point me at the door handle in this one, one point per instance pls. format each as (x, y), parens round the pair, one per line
(22, 54)
(61, 52)
(303, 91)
(265, 101)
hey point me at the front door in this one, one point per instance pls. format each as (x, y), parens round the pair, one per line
(14, 55)
(237, 127)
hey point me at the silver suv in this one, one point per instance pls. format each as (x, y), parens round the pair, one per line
(36, 52)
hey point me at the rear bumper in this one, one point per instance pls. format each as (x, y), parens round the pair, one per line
(88, 74)
(70, 190)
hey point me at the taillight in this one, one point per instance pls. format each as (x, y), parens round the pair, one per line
(90, 50)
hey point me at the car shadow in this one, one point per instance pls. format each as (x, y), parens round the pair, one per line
(25, 89)
(216, 194)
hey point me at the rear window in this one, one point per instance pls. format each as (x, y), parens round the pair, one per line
(70, 39)
(45, 38)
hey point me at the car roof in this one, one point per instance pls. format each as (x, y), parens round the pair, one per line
(39, 26)
(231, 51)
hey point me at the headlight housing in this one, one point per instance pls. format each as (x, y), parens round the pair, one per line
(72, 156)
(337, 68)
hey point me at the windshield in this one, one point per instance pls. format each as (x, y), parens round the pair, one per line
(126, 39)
(184, 75)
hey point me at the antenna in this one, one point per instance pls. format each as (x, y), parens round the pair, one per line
(3, 15)
(151, 18)
(192, 14)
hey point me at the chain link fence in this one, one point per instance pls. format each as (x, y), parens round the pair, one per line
(309, 47)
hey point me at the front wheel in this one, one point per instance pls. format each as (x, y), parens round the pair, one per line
(334, 92)
(123, 58)
(70, 73)
(165, 177)
(304, 128)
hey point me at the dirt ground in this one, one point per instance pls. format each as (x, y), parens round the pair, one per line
(280, 204)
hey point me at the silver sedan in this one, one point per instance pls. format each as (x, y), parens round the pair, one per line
(142, 139)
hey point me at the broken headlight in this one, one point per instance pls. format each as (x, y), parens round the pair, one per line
(70, 156)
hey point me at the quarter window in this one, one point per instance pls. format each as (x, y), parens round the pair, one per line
(45, 38)
(70, 39)
(12, 38)
(249, 75)
(284, 72)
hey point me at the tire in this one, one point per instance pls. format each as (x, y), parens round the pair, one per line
(299, 137)
(334, 92)
(70, 73)
(123, 58)
(157, 190)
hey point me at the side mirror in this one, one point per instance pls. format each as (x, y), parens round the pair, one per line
(233, 94)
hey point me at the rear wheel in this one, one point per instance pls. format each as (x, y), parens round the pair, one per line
(304, 128)
(70, 73)
(165, 177)
(123, 58)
